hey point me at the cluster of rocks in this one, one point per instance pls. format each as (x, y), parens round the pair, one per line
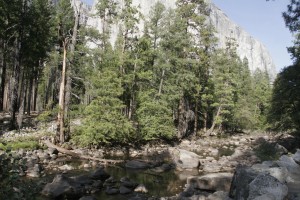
(269, 180)
(80, 186)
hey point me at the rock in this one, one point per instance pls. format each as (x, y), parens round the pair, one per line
(112, 191)
(66, 167)
(63, 186)
(211, 182)
(289, 163)
(219, 195)
(136, 164)
(185, 159)
(163, 168)
(296, 157)
(280, 173)
(256, 53)
(99, 174)
(125, 190)
(265, 184)
(128, 183)
(265, 197)
(88, 198)
(281, 150)
(52, 151)
(141, 188)
(214, 152)
(243, 176)
(211, 168)
(110, 181)
(82, 180)
(35, 171)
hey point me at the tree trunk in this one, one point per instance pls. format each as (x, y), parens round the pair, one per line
(75, 155)
(61, 114)
(205, 121)
(214, 122)
(68, 74)
(182, 124)
(3, 76)
(196, 118)
(161, 82)
(15, 84)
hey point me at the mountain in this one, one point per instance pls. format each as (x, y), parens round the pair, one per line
(248, 47)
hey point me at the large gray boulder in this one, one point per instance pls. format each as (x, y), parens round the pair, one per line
(265, 184)
(289, 163)
(296, 156)
(243, 176)
(280, 173)
(211, 182)
(185, 159)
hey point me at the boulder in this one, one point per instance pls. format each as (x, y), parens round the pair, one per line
(280, 173)
(141, 188)
(66, 167)
(34, 171)
(243, 176)
(137, 164)
(63, 186)
(219, 195)
(99, 174)
(163, 168)
(211, 182)
(125, 190)
(289, 163)
(125, 181)
(112, 191)
(281, 150)
(185, 159)
(296, 157)
(88, 198)
(265, 184)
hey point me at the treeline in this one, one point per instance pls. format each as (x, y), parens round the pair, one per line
(164, 81)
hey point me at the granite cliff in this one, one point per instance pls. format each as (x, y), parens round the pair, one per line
(248, 47)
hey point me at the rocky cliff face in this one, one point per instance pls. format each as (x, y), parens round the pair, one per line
(248, 47)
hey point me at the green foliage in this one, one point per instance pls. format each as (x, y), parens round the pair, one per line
(104, 123)
(29, 143)
(285, 104)
(154, 118)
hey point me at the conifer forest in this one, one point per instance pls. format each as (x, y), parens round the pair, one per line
(164, 81)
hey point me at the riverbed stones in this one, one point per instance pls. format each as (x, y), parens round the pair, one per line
(211, 182)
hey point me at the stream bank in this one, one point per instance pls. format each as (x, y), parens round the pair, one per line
(167, 171)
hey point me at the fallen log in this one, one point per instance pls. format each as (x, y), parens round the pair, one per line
(75, 155)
